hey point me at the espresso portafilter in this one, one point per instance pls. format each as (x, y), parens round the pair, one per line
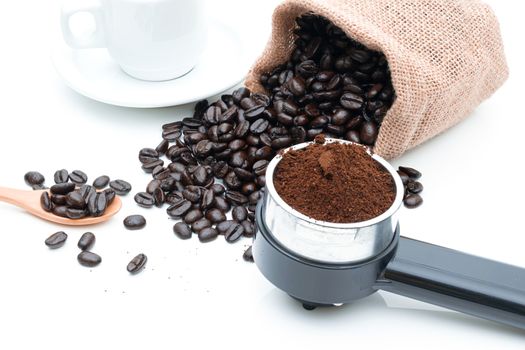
(322, 263)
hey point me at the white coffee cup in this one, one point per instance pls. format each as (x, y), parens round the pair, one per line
(151, 40)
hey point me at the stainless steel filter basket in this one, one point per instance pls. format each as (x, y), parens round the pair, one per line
(323, 263)
(329, 242)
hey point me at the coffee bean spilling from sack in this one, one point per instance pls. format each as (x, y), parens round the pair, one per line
(331, 84)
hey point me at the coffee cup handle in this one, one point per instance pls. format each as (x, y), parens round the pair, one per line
(95, 39)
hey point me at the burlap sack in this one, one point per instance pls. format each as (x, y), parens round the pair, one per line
(445, 56)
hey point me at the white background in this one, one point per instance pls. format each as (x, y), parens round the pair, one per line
(204, 295)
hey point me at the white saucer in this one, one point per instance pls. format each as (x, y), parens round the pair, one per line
(92, 73)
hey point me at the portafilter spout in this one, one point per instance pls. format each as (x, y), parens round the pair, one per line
(322, 263)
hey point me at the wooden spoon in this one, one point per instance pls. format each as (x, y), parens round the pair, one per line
(30, 201)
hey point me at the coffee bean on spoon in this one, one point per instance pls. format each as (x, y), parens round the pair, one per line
(45, 202)
(137, 264)
(134, 222)
(89, 259)
(62, 188)
(86, 241)
(56, 240)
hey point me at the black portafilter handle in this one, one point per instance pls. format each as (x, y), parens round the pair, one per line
(458, 281)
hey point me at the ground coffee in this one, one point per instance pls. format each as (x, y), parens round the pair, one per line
(334, 182)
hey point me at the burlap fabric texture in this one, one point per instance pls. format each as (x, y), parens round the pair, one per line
(445, 57)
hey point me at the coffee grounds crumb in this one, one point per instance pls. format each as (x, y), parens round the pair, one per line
(334, 182)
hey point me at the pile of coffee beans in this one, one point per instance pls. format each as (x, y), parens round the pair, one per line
(331, 84)
(413, 188)
(72, 198)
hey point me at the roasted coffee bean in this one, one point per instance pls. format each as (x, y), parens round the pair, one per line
(178, 209)
(76, 200)
(221, 204)
(34, 178)
(351, 101)
(218, 189)
(45, 202)
(74, 214)
(254, 197)
(89, 259)
(233, 233)
(134, 222)
(352, 136)
(215, 215)
(412, 200)
(62, 188)
(248, 256)
(259, 167)
(152, 186)
(200, 176)
(207, 200)
(110, 195)
(368, 134)
(86, 241)
(144, 199)
(243, 174)
(248, 187)
(411, 172)
(172, 125)
(162, 148)
(259, 126)
(249, 228)
(193, 215)
(281, 142)
(232, 181)
(264, 152)
(414, 187)
(224, 225)
(148, 167)
(200, 224)
(78, 177)
(239, 213)
(56, 240)
(101, 182)
(97, 204)
(120, 187)
(148, 155)
(182, 230)
(59, 199)
(137, 264)
(159, 197)
(236, 198)
(207, 234)
(261, 180)
(192, 193)
(404, 177)
(171, 135)
(61, 176)
(60, 210)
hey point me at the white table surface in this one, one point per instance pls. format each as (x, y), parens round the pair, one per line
(194, 295)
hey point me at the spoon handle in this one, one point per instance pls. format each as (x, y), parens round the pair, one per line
(20, 198)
